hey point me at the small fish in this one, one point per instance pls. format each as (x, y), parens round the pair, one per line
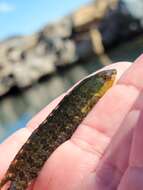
(56, 129)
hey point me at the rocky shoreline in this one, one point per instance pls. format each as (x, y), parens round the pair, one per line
(91, 30)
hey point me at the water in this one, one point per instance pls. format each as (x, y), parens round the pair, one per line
(16, 111)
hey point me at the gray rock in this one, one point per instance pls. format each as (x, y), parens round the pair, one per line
(43, 65)
(67, 53)
(62, 29)
(6, 79)
(24, 76)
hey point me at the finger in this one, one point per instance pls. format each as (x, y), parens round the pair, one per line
(116, 159)
(136, 156)
(132, 180)
(133, 177)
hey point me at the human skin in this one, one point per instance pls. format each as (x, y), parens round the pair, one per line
(105, 152)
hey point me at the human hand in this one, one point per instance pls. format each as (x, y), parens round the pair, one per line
(105, 151)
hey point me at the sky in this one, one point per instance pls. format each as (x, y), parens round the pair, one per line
(22, 17)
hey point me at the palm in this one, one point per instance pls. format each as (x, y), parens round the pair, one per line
(105, 151)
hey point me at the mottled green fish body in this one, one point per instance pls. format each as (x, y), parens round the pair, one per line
(56, 129)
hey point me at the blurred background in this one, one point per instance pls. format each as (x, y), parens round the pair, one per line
(46, 46)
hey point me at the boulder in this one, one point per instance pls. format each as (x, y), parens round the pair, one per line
(67, 53)
(61, 29)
